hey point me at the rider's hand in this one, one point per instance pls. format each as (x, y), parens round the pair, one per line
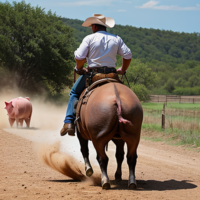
(120, 71)
(85, 69)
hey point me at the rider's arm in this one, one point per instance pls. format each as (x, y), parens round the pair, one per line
(80, 63)
(81, 53)
(124, 67)
(125, 52)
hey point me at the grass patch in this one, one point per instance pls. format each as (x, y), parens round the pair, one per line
(182, 123)
(172, 136)
(159, 106)
(152, 127)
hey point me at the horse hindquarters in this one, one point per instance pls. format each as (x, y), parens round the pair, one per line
(111, 109)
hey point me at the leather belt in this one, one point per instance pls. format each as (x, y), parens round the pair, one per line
(103, 70)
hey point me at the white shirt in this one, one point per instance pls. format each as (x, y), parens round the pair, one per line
(100, 49)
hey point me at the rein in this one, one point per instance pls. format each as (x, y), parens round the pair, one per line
(126, 79)
(74, 75)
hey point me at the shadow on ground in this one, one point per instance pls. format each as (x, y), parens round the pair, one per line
(148, 185)
(30, 128)
(65, 181)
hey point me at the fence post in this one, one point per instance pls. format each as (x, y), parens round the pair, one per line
(163, 117)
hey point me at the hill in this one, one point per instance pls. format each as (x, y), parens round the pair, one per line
(150, 44)
(173, 56)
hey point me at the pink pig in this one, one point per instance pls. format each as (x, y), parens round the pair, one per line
(19, 109)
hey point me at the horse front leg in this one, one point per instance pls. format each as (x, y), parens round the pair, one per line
(119, 157)
(85, 153)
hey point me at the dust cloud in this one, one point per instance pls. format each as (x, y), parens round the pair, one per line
(59, 161)
(62, 162)
(46, 121)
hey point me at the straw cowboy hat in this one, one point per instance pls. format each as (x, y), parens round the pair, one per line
(99, 19)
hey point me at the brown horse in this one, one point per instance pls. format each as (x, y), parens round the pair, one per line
(113, 112)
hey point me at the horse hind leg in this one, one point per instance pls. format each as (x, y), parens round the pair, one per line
(119, 157)
(132, 143)
(85, 153)
(132, 159)
(102, 158)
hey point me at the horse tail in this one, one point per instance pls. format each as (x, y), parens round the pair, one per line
(119, 109)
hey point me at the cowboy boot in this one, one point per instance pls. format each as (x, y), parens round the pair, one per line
(68, 128)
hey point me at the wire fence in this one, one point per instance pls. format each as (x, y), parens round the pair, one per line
(175, 112)
(174, 118)
(174, 98)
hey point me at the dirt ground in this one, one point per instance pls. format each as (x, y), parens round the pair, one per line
(162, 172)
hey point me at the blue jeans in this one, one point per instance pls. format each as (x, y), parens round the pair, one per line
(74, 94)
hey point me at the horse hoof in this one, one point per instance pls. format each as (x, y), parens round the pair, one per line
(132, 186)
(89, 172)
(106, 186)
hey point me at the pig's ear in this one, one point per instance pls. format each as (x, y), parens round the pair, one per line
(27, 98)
(6, 104)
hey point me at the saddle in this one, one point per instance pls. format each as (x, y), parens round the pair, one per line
(100, 76)
(88, 91)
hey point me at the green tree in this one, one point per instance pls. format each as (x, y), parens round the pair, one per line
(141, 79)
(141, 92)
(140, 73)
(170, 85)
(197, 55)
(194, 81)
(37, 48)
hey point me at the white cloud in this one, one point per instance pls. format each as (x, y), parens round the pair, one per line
(154, 5)
(149, 4)
(121, 10)
(87, 3)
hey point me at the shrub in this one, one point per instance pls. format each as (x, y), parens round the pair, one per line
(141, 92)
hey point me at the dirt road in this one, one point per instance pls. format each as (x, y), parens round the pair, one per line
(163, 171)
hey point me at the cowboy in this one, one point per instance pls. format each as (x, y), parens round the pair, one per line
(100, 49)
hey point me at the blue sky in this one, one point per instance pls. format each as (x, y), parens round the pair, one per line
(175, 15)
